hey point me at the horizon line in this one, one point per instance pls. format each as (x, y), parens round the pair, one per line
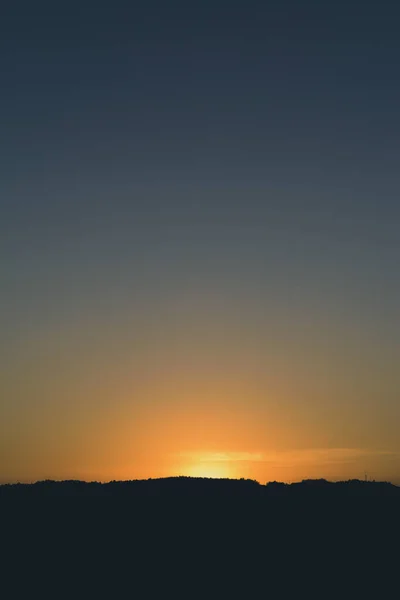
(188, 477)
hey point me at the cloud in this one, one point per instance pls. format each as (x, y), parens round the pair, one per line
(324, 456)
(302, 457)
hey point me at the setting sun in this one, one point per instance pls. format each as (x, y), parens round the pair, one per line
(207, 464)
(209, 470)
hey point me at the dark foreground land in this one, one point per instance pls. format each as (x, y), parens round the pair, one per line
(199, 538)
(196, 488)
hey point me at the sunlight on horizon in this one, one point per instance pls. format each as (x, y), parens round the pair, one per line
(208, 470)
(287, 466)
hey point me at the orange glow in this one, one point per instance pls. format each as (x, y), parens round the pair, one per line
(177, 422)
(209, 470)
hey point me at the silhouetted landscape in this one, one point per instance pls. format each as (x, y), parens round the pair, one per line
(200, 537)
(189, 487)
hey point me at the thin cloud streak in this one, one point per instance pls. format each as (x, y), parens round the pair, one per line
(303, 457)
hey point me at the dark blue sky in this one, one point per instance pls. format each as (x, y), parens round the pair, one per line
(237, 160)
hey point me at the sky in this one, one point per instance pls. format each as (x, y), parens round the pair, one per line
(199, 240)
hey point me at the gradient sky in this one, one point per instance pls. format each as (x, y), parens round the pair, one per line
(199, 239)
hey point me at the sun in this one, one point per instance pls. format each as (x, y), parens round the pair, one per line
(208, 470)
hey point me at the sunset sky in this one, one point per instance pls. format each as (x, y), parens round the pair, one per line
(200, 240)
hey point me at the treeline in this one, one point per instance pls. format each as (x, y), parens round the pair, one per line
(200, 487)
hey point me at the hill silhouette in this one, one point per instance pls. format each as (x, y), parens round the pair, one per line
(195, 487)
(199, 538)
